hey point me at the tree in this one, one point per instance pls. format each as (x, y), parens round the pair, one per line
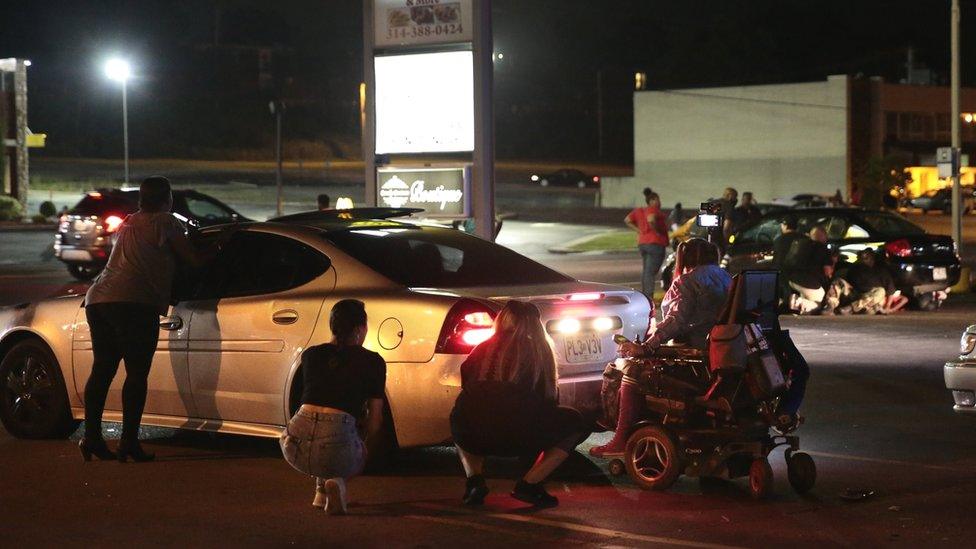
(878, 176)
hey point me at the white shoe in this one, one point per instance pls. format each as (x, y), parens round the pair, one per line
(335, 489)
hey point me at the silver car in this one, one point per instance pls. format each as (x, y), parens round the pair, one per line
(230, 347)
(960, 375)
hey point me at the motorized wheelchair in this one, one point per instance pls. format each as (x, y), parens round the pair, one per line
(689, 427)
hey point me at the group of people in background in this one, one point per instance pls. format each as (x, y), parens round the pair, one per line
(811, 279)
(815, 285)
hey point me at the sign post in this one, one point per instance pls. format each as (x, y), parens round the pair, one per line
(428, 131)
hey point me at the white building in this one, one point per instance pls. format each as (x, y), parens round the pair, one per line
(773, 140)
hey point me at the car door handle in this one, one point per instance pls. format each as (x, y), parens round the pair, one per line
(171, 323)
(286, 316)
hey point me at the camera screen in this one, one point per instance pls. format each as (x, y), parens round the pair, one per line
(708, 220)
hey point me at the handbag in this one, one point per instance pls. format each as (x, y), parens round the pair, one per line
(727, 348)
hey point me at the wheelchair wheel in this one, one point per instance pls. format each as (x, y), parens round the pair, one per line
(652, 458)
(760, 478)
(802, 471)
(617, 467)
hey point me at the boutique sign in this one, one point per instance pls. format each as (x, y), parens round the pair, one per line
(441, 192)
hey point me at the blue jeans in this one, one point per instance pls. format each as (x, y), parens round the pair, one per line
(652, 256)
(323, 445)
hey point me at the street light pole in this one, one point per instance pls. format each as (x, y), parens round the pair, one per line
(118, 70)
(125, 129)
(956, 141)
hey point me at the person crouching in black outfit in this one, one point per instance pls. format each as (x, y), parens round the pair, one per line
(508, 407)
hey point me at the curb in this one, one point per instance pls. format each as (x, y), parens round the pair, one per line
(27, 227)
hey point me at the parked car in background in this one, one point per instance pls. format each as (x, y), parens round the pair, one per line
(924, 265)
(566, 178)
(230, 345)
(85, 234)
(960, 374)
(941, 200)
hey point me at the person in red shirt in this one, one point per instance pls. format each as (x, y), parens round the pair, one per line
(652, 238)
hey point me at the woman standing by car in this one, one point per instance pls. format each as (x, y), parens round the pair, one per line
(508, 407)
(652, 238)
(342, 379)
(123, 307)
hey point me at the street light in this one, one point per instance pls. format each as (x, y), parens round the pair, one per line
(118, 70)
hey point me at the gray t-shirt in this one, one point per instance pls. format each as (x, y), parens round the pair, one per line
(140, 269)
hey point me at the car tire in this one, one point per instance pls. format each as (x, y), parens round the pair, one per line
(84, 271)
(926, 302)
(652, 458)
(925, 211)
(33, 396)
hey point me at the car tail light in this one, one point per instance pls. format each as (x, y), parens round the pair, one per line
(898, 248)
(467, 324)
(596, 178)
(112, 223)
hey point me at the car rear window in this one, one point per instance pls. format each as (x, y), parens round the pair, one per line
(441, 258)
(886, 224)
(107, 203)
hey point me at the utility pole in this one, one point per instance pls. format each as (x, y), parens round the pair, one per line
(483, 185)
(125, 129)
(956, 141)
(277, 107)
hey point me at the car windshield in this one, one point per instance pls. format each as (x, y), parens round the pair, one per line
(886, 224)
(442, 258)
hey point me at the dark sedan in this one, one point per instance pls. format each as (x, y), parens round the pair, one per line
(84, 238)
(924, 265)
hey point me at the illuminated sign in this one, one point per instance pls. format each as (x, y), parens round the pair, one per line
(440, 192)
(414, 22)
(425, 103)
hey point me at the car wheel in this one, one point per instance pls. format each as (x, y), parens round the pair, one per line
(652, 458)
(33, 397)
(581, 184)
(760, 479)
(924, 211)
(84, 272)
(926, 302)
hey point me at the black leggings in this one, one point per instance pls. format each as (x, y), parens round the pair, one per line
(120, 331)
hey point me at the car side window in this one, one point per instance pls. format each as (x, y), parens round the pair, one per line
(765, 231)
(856, 231)
(254, 263)
(202, 208)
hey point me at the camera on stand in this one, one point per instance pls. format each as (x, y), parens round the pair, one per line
(711, 218)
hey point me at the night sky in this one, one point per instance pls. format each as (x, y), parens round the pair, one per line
(187, 100)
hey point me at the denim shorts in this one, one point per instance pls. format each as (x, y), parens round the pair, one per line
(323, 445)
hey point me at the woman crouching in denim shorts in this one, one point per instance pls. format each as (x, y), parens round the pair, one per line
(342, 380)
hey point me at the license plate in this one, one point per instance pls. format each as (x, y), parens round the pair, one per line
(583, 348)
(939, 273)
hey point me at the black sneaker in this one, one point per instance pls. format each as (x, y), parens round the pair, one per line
(534, 494)
(475, 491)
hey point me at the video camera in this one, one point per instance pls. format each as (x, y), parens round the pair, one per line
(710, 217)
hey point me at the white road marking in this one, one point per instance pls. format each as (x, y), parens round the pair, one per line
(571, 526)
(889, 461)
